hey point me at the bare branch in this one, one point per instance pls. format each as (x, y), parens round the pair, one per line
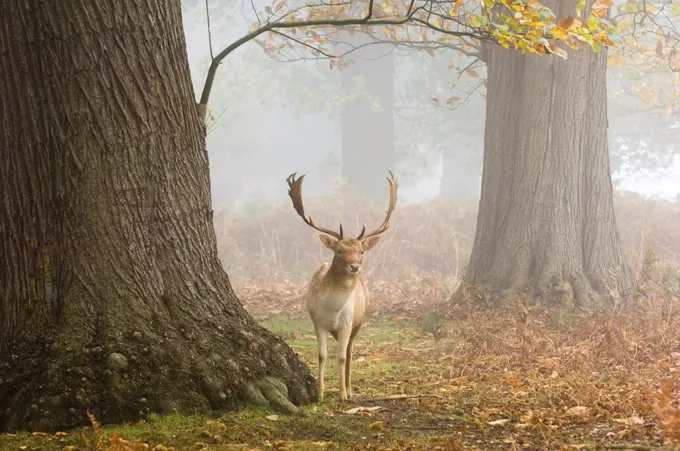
(316, 49)
(255, 11)
(367, 20)
(207, 15)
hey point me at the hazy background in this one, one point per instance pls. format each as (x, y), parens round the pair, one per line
(273, 118)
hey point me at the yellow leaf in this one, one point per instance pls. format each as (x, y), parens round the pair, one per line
(559, 33)
(461, 379)
(472, 73)
(377, 426)
(513, 381)
(592, 24)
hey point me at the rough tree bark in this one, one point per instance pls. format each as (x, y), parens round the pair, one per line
(546, 220)
(368, 135)
(112, 297)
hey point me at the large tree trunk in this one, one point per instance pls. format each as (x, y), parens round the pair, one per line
(368, 135)
(546, 219)
(112, 297)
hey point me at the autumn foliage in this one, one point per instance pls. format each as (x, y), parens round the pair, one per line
(526, 26)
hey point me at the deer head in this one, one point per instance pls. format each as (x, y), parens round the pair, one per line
(349, 252)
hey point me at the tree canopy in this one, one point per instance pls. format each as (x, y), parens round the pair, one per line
(526, 26)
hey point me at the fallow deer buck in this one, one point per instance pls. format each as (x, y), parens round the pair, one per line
(337, 295)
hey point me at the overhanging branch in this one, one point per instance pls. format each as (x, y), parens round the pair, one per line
(367, 20)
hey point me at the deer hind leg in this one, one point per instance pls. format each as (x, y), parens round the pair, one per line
(348, 364)
(344, 334)
(322, 342)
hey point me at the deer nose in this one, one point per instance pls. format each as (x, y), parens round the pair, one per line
(354, 267)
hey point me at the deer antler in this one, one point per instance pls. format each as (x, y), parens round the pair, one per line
(394, 184)
(295, 193)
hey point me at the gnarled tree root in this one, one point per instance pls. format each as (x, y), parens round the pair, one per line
(46, 386)
(271, 392)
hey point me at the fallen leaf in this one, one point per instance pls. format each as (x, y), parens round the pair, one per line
(630, 421)
(378, 426)
(362, 409)
(500, 422)
(577, 411)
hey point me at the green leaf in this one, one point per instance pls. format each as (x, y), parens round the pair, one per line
(545, 14)
(475, 21)
(579, 8)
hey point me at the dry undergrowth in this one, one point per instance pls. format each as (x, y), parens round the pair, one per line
(521, 376)
(431, 240)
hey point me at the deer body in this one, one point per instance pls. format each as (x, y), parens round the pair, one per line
(337, 294)
(336, 304)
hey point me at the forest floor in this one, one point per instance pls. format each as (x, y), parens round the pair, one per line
(467, 379)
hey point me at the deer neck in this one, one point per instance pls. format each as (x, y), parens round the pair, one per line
(338, 277)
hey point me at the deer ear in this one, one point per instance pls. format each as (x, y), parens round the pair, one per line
(369, 242)
(329, 242)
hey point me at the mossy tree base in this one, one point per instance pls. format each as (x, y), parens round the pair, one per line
(48, 384)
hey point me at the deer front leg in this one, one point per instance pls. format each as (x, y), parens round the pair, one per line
(348, 363)
(343, 342)
(322, 342)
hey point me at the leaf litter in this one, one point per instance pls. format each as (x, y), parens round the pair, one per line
(511, 378)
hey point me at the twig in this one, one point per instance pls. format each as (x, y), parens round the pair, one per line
(425, 428)
(255, 11)
(633, 447)
(207, 15)
(328, 55)
(400, 397)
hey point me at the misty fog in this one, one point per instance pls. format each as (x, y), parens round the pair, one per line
(272, 118)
